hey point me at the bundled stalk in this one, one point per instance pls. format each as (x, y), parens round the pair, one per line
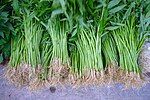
(127, 43)
(88, 59)
(59, 63)
(111, 59)
(32, 54)
(25, 62)
(13, 73)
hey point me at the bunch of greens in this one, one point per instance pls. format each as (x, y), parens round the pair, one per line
(25, 53)
(128, 46)
(77, 41)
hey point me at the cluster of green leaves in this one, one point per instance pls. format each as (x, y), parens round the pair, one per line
(5, 29)
(127, 41)
(144, 19)
(58, 33)
(29, 33)
(88, 51)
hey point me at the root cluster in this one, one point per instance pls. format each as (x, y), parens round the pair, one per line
(58, 73)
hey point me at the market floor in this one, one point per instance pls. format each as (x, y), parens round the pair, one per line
(9, 92)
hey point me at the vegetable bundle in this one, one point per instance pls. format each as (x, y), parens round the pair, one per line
(77, 42)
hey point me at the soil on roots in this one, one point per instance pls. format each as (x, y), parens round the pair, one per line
(37, 84)
(89, 77)
(24, 75)
(130, 79)
(111, 74)
(58, 72)
(19, 76)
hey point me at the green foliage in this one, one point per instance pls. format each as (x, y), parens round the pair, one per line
(127, 42)
(58, 33)
(105, 15)
(5, 30)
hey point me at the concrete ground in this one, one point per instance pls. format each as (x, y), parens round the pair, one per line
(9, 92)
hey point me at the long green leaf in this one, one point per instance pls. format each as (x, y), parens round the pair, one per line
(15, 5)
(128, 12)
(56, 12)
(116, 9)
(113, 3)
(1, 34)
(112, 27)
